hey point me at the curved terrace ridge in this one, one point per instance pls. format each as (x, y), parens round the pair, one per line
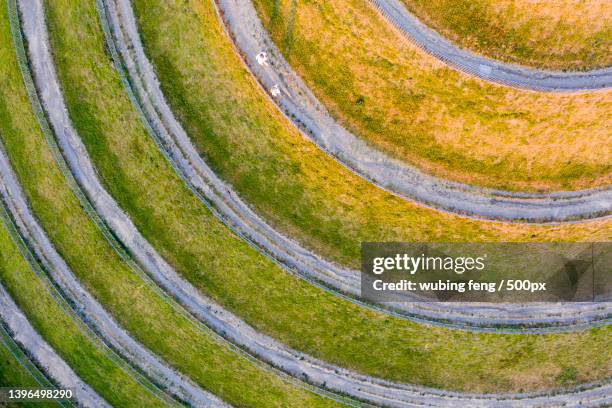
(489, 69)
(145, 92)
(299, 104)
(296, 364)
(363, 387)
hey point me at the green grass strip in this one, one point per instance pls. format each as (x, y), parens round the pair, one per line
(202, 249)
(153, 320)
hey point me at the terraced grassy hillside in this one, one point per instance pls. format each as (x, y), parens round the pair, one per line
(92, 361)
(285, 178)
(230, 271)
(12, 372)
(150, 318)
(559, 35)
(417, 109)
(95, 364)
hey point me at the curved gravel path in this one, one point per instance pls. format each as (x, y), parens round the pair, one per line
(296, 364)
(29, 340)
(143, 87)
(301, 107)
(486, 68)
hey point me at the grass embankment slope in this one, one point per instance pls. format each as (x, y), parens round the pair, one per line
(12, 372)
(415, 108)
(230, 271)
(557, 35)
(137, 307)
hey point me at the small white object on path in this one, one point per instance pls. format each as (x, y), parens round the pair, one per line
(262, 58)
